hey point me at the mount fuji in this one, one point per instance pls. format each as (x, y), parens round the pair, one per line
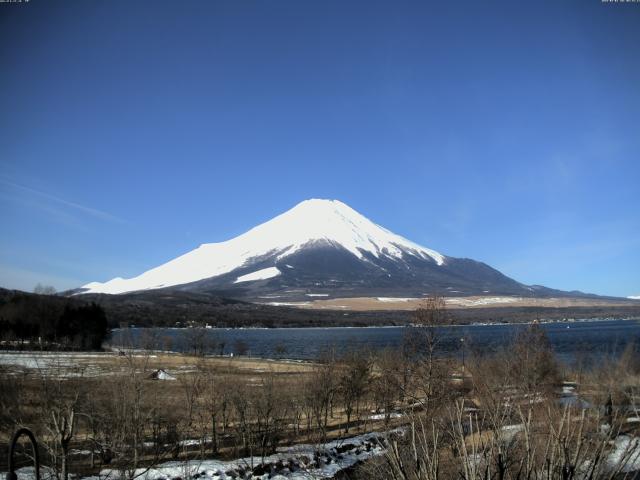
(321, 248)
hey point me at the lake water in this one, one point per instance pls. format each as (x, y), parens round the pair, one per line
(570, 340)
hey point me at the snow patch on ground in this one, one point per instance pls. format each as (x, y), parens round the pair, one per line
(508, 432)
(634, 297)
(263, 274)
(306, 461)
(481, 300)
(626, 451)
(394, 299)
(288, 304)
(64, 364)
(55, 363)
(162, 375)
(382, 416)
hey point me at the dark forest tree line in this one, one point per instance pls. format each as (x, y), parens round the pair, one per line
(51, 322)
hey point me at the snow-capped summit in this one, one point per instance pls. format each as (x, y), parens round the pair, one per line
(331, 221)
(308, 223)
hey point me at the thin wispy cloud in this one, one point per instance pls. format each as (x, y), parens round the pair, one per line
(76, 207)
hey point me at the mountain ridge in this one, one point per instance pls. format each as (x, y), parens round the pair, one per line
(322, 248)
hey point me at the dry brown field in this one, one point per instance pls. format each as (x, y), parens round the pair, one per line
(473, 302)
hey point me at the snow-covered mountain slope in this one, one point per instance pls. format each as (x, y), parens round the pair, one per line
(321, 248)
(308, 225)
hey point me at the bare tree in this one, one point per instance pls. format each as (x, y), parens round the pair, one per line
(41, 289)
(215, 396)
(354, 379)
(197, 341)
(321, 388)
(129, 409)
(240, 347)
(431, 314)
(241, 409)
(387, 382)
(424, 374)
(270, 411)
(535, 369)
(60, 399)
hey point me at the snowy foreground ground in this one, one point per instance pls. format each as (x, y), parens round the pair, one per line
(310, 462)
(294, 463)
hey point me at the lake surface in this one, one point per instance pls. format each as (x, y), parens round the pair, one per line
(571, 340)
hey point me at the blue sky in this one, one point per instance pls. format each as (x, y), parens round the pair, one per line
(507, 132)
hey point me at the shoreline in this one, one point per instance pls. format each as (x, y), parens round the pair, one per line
(445, 325)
